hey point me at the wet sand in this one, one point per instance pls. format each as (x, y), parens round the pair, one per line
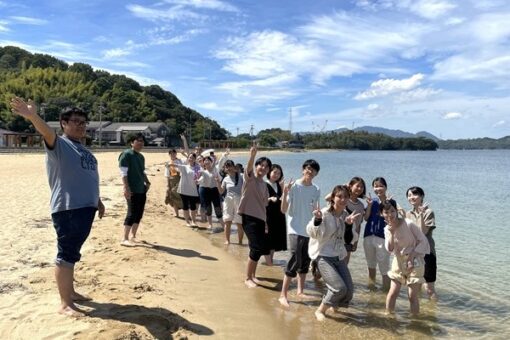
(177, 283)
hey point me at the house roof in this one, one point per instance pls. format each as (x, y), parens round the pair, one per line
(92, 124)
(133, 126)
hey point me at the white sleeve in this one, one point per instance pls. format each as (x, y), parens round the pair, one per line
(123, 171)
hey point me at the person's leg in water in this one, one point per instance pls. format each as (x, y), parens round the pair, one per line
(240, 232)
(413, 291)
(251, 268)
(283, 299)
(386, 282)
(391, 298)
(303, 265)
(228, 225)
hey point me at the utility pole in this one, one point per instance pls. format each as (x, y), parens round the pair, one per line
(290, 120)
(43, 110)
(101, 108)
(237, 131)
(189, 129)
(251, 131)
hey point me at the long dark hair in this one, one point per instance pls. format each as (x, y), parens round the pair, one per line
(230, 164)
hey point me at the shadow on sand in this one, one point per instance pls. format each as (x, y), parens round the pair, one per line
(177, 252)
(159, 322)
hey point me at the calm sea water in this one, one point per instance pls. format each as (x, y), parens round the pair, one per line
(470, 193)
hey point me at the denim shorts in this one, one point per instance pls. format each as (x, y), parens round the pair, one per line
(73, 228)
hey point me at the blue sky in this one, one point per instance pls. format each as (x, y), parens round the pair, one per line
(442, 66)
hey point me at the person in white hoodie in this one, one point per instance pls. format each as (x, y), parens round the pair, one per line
(326, 231)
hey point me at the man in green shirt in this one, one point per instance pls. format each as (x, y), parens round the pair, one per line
(136, 185)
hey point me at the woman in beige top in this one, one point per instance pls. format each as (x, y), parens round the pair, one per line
(407, 242)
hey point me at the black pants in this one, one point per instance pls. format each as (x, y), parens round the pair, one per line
(136, 205)
(430, 268)
(300, 260)
(255, 230)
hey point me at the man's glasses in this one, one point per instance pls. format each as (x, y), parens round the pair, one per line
(79, 122)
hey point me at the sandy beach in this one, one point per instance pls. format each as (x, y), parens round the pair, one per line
(174, 285)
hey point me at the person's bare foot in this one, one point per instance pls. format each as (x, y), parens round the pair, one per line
(333, 309)
(79, 297)
(134, 240)
(71, 311)
(389, 313)
(320, 316)
(432, 295)
(283, 301)
(249, 283)
(257, 281)
(127, 243)
(227, 242)
(305, 296)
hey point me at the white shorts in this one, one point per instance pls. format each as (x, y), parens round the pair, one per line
(376, 254)
(230, 206)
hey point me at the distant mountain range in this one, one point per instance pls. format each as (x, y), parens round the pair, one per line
(392, 133)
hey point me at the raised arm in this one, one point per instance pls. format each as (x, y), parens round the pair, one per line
(285, 196)
(222, 160)
(251, 161)
(185, 145)
(368, 210)
(29, 112)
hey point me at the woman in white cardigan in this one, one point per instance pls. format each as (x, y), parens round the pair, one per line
(326, 231)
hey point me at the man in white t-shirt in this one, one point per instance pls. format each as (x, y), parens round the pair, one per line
(299, 200)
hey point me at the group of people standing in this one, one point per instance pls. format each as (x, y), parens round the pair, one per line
(266, 209)
(271, 212)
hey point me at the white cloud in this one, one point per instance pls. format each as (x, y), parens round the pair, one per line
(490, 28)
(273, 109)
(116, 52)
(384, 87)
(453, 21)
(372, 107)
(262, 91)
(28, 20)
(131, 64)
(176, 13)
(499, 123)
(488, 66)
(431, 9)
(3, 26)
(215, 107)
(416, 95)
(156, 40)
(205, 4)
(266, 53)
(452, 115)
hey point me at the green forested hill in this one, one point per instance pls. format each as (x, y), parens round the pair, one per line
(56, 85)
(476, 143)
